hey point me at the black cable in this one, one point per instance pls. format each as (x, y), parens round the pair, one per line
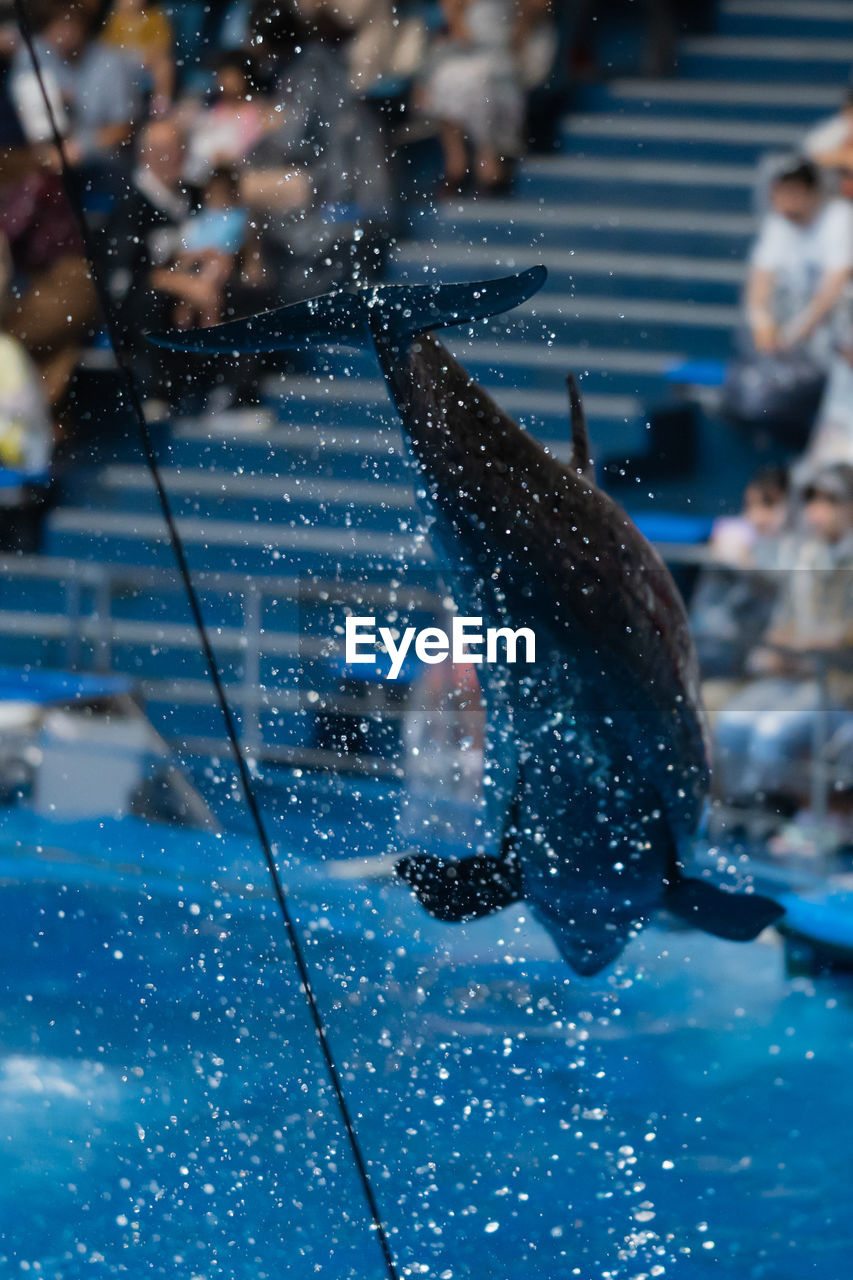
(115, 340)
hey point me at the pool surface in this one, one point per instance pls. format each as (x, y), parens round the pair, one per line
(164, 1112)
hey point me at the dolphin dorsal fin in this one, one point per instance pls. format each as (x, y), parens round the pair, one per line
(581, 460)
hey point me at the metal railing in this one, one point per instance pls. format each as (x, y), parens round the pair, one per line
(88, 629)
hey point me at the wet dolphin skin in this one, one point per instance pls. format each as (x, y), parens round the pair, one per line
(597, 759)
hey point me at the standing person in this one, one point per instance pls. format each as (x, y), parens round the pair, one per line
(832, 437)
(474, 90)
(800, 266)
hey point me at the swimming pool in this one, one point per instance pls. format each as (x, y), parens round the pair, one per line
(164, 1112)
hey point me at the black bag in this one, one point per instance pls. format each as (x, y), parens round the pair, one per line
(781, 393)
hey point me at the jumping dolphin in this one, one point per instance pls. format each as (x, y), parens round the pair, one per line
(597, 759)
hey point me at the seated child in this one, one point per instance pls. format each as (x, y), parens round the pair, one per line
(212, 241)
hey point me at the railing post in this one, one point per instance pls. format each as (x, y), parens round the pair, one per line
(251, 691)
(73, 615)
(103, 621)
(820, 779)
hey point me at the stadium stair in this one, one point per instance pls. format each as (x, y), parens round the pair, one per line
(643, 219)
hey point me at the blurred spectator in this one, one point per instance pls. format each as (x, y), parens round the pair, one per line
(142, 231)
(8, 31)
(226, 132)
(143, 29)
(212, 241)
(52, 305)
(801, 262)
(765, 733)
(142, 234)
(830, 143)
(732, 603)
(26, 433)
(317, 183)
(98, 85)
(217, 272)
(474, 90)
(377, 43)
(220, 225)
(832, 438)
(800, 265)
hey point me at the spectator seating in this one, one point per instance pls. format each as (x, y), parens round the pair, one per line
(643, 219)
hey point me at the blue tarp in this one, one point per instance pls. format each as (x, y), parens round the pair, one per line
(17, 685)
(672, 527)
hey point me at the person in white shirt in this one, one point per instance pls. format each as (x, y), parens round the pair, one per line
(801, 264)
(832, 437)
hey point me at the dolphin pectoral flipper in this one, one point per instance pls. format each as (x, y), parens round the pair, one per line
(462, 889)
(740, 917)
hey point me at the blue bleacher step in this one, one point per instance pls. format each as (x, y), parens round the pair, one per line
(629, 369)
(657, 276)
(687, 137)
(337, 406)
(822, 60)
(798, 104)
(357, 452)
(233, 546)
(791, 18)
(702, 327)
(266, 497)
(354, 454)
(611, 225)
(676, 184)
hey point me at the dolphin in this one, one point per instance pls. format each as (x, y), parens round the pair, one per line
(597, 766)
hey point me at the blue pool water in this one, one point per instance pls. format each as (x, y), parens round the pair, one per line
(163, 1111)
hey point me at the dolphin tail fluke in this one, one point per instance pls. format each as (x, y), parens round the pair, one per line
(740, 917)
(330, 319)
(400, 312)
(388, 315)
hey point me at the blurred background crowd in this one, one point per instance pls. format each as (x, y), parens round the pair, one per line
(235, 153)
(239, 154)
